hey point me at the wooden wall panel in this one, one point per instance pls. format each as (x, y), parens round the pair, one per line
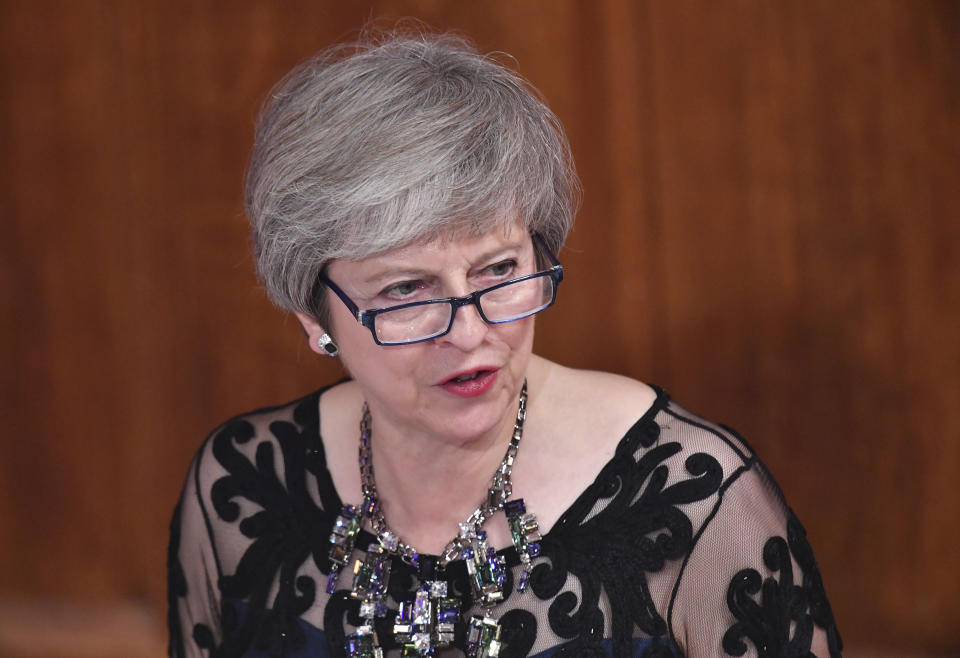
(769, 231)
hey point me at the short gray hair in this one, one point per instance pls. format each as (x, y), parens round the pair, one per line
(394, 140)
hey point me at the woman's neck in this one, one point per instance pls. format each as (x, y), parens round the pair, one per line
(427, 485)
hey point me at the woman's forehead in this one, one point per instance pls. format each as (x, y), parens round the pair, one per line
(457, 240)
(449, 249)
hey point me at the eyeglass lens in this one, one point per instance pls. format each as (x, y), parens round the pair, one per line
(510, 302)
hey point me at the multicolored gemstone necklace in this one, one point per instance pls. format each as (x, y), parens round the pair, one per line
(428, 621)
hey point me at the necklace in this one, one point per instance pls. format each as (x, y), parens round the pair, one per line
(428, 621)
(499, 491)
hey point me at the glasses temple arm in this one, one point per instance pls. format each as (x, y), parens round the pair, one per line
(353, 308)
(554, 262)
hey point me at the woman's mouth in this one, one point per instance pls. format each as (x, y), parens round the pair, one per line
(470, 384)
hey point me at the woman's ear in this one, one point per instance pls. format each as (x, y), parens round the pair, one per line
(318, 339)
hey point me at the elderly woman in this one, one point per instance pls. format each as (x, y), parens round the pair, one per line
(459, 494)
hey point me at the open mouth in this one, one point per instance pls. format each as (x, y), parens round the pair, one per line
(468, 377)
(469, 384)
(475, 381)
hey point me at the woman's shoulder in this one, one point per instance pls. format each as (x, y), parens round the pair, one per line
(605, 402)
(274, 433)
(576, 420)
(616, 412)
(265, 461)
(257, 422)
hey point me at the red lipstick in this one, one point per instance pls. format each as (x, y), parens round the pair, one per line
(470, 383)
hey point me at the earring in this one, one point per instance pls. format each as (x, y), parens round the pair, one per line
(327, 345)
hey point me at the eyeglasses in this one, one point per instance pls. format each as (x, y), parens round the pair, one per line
(417, 322)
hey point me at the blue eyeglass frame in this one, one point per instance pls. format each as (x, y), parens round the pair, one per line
(367, 317)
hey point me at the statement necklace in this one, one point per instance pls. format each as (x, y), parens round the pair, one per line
(428, 621)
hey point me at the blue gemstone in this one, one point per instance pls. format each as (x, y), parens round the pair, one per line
(491, 554)
(381, 609)
(515, 507)
(448, 616)
(467, 553)
(332, 582)
(533, 549)
(482, 535)
(427, 568)
(523, 582)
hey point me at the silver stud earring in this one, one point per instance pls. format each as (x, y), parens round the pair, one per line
(326, 344)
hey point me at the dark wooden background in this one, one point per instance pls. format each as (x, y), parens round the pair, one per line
(770, 231)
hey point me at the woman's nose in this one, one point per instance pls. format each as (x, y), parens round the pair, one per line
(468, 330)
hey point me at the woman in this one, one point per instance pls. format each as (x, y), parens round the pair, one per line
(408, 199)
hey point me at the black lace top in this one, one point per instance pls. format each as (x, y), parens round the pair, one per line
(681, 546)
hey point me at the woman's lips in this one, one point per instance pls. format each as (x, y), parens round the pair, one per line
(470, 383)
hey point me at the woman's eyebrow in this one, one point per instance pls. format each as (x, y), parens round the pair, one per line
(499, 252)
(391, 274)
(388, 272)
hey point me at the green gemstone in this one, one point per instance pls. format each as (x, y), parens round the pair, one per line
(489, 634)
(410, 650)
(363, 579)
(486, 574)
(363, 644)
(518, 534)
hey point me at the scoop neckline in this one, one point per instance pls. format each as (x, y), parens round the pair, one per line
(510, 552)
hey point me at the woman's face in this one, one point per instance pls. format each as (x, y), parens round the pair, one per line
(460, 386)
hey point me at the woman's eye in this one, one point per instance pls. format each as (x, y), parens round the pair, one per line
(502, 269)
(402, 289)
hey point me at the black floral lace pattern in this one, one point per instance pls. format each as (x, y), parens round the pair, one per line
(601, 586)
(783, 605)
(288, 529)
(176, 586)
(611, 552)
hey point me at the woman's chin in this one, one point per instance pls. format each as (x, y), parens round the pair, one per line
(468, 418)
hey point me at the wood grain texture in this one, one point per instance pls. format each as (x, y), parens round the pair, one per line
(769, 231)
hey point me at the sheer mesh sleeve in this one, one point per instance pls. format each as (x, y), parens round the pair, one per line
(249, 539)
(751, 586)
(193, 573)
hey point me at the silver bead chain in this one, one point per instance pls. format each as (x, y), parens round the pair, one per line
(500, 490)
